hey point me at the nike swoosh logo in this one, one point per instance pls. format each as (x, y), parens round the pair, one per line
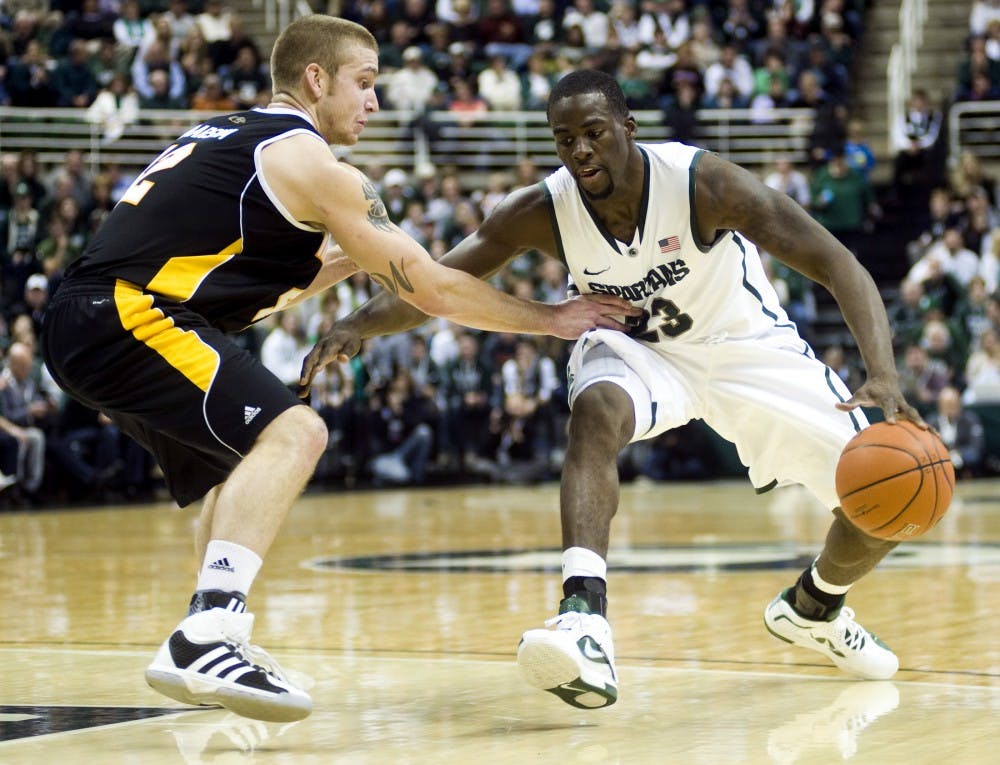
(595, 273)
(592, 652)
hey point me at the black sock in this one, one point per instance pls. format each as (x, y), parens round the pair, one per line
(591, 589)
(203, 600)
(810, 601)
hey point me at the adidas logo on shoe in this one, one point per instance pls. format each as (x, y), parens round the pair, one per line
(222, 564)
(249, 412)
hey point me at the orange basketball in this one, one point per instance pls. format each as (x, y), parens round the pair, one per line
(895, 481)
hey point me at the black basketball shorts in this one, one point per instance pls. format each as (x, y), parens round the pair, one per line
(167, 378)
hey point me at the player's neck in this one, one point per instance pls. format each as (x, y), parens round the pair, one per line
(287, 100)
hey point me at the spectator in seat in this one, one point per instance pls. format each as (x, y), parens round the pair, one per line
(787, 178)
(90, 22)
(211, 96)
(843, 201)
(86, 449)
(216, 26)
(29, 79)
(527, 429)
(982, 370)
(401, 427)
(73, 79)
(500, 86)
(731, 66)
(922, 378)
(23, 409)
(953, 257)
(115, 107)
(961, 430)
(170, 88)
(246, 79)
(20, 231)
(914, 141)
(681, 113)
(413, 86)
(181, 21)
(159, 93)
(130, 29)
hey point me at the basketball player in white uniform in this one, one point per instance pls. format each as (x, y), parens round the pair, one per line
(675, 231)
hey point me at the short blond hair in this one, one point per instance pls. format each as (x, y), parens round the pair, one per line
(318, 39)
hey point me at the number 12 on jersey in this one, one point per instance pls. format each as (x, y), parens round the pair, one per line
(172, 156)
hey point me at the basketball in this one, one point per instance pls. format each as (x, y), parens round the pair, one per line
(895, 481)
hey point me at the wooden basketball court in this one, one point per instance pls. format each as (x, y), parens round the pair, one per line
(404, 609)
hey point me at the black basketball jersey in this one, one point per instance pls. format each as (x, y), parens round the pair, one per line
(197, 226)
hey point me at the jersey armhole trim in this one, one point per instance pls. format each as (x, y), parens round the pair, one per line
(560, 252)
(272, 197)
(695, 236)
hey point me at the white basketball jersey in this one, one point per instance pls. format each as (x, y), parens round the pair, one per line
(691, 291)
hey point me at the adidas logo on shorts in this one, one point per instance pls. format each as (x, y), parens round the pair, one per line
(249, 412)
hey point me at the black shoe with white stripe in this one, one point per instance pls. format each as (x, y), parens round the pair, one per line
(208, 661)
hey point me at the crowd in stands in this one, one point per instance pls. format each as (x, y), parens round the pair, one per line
(442, 402)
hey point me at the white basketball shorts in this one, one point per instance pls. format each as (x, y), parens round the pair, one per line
(769, 395)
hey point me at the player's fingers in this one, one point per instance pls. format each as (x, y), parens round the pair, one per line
(607, 322)
(853, 403)
(911, 414)
(617, 304)
(310, 365)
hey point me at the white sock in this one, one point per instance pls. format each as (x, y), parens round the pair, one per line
(579, 561)
(822, 586)
(228, 567)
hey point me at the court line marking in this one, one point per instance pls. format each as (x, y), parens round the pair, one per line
(477, 662)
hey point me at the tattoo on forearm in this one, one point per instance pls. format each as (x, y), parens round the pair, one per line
(377, 214)
(397, 281)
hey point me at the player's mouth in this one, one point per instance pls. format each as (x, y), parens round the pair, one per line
(588, 172)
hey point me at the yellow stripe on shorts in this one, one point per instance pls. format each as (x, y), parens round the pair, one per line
(180, 348)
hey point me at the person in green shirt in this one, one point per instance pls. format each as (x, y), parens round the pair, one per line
(843, 201)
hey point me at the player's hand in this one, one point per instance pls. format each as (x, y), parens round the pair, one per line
(585, 312)
(887, 396)
(339, 344)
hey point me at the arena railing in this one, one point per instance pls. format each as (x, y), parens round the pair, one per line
(975, 126)
(903, 61)
(488, 143)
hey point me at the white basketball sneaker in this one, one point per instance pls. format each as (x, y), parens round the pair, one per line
(842, 640)
(208, 660)
(574, 658)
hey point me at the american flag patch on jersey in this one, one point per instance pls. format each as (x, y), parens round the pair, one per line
(670, 244)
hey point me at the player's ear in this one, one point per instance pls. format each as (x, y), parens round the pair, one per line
(314, 76)
(631, 128)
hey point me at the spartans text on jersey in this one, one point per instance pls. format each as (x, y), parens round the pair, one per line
(663, 275)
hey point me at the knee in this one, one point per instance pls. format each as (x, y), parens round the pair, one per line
(300, 429)
(603, 416)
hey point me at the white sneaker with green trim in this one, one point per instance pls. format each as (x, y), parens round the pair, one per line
(846, 643)
(573, 658)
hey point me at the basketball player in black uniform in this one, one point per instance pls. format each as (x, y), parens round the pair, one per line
(233, 221)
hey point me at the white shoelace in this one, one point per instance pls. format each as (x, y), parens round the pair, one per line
(852, 633)
(567, 621)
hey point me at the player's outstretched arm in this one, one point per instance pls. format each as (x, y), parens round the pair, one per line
(727, 197)
(315, 187)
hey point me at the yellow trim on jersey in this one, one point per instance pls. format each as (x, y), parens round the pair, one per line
(181, 349)
(181, 276)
